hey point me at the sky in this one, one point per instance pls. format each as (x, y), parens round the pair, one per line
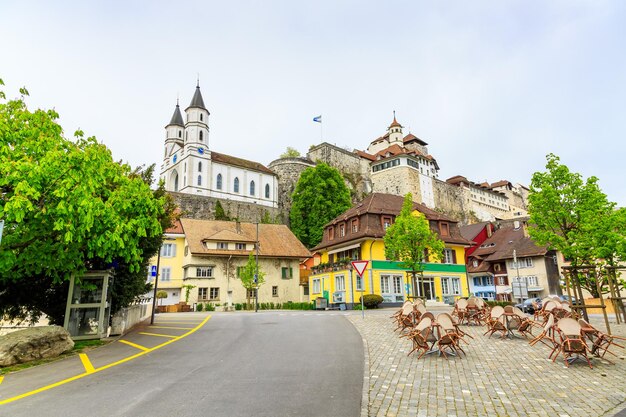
(491, 86)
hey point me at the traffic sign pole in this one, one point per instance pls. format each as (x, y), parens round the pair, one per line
(359, 267)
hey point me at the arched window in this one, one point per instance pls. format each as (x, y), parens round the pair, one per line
(267, 191)
(180, 133)
(252, 188)
(201, 135)
(200, 116)
(219, 181)
(199, 166)
(175, 180)
(199, 179)
(236, 185)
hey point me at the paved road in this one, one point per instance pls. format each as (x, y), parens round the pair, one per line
(237, 364)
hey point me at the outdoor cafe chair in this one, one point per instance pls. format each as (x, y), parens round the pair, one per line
(601, 342)
(399, 312)
(525, 324)
(406, 318)
(475, 310)
(572, 344)
(420, 336)
(460, 310)
(547, 336)
(447, 338)
(497, 322)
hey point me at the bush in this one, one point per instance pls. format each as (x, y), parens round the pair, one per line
(358, 307)
(199, 307)
(238, 306)
(209, 307)
(372, 300)
(499, 303)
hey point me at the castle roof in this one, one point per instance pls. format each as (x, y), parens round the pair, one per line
(412, 138)
(395, 122)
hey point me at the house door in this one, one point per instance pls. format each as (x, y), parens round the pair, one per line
(429, 287)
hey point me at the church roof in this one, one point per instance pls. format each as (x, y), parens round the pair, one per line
(177, 118)
(197, 101)
(243, 163)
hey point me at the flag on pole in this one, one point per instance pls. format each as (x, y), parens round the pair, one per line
(318, 119)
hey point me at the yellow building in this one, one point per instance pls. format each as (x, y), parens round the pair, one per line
(358, 234)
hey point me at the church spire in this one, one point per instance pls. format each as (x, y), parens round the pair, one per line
(197, 100)
(177, 117)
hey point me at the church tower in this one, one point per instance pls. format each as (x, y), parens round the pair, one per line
(174, 133)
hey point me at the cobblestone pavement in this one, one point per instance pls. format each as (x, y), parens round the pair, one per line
(496, 378)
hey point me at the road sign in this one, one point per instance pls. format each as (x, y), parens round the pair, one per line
(153, 271)
(360, 266)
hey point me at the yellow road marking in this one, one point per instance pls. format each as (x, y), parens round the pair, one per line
(171, 327)
(135, 345)
(157, 334)
(86, 362)
(1, 378)
(102, 368)
(175, 322)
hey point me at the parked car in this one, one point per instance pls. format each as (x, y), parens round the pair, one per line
(565, 297)
(527, 305)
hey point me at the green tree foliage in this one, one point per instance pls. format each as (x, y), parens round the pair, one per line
(290, 153)
(409, 238)
(320, 196)
(69, 207)
(247, 275)
(220, 214)
(576, 218)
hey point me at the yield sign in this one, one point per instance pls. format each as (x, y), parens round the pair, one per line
(360, 266)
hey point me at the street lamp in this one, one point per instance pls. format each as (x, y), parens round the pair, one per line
(256, 273)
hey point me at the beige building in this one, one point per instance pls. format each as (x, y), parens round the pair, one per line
(215, 252)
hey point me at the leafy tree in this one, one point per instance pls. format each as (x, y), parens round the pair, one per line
(247, 276)
(220, 214)
(410, 237)
(290, 153)
(161, 295)
(69, 207)
(575, 217)
(188, 288)
(320, 196)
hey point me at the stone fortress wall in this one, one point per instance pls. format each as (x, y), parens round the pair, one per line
(203, 208)
(288, 171)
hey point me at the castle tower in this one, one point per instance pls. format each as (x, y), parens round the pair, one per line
(395, 132)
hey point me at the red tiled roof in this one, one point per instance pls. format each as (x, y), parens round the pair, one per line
(366, 155)
(412, 138)
(395, 123)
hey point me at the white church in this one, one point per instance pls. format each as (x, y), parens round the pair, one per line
(189, 165)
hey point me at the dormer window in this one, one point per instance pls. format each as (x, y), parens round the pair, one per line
(386, 222)
(444, 228)
(222, 245)
(354, 225)
(331, 233)
(475, 263)
(342, 230)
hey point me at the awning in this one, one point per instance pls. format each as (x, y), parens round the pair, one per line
(358, 245)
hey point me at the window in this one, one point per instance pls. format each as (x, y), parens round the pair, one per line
(449, 256)
(214, 294)
(522, 263)
(445, 229)
(450, 286)
(204, 272)
(202, 293)
(354, 225)
(267, 191)
(391, 288)
(275, 291)
(166, 274)
(251, 187)
(236, 185)
(201, 135)
(475, 263)
(180, 134)
(240, 246)
(497, 267)
(251, 293)
(342, 230)
(502, 281)
(222, 245)
(386, 222)
(316, 286)
(287, 272)
(199, 166)
(199, 179)
(200, 116)
(340, 283)
(168, 250)
(331, 233)
(219, 181)
(359, 283)
(532, 281)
